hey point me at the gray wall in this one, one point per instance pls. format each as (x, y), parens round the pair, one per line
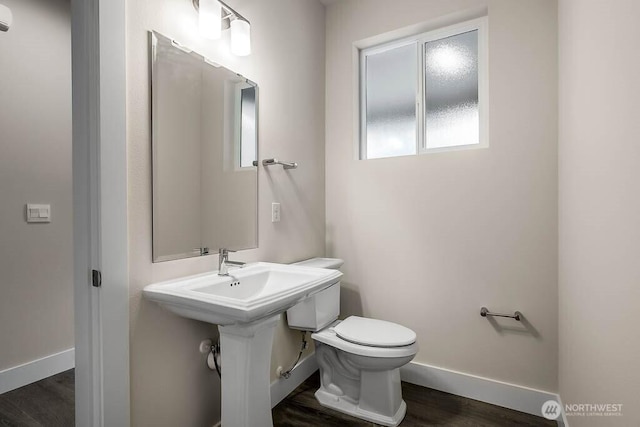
(428, 240)
(599, 207)
(170, 384)
(36, 271)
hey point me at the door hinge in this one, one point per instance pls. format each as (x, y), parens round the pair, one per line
(96, 278)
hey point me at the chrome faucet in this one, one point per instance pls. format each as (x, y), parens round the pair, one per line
(224, 262)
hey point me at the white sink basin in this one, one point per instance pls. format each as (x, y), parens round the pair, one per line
(246, 306)
(248, 294)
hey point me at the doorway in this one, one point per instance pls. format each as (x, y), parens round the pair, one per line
(100, 325)
(36, 212)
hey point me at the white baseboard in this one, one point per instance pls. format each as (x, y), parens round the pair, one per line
(281, 387)
(36, 370)
(498, 393)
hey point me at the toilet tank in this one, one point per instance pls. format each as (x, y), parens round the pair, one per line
(321, 308)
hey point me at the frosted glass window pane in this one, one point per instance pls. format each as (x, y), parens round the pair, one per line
(451, 87)
(391, 85)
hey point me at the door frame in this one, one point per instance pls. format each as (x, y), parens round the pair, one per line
(100, 212)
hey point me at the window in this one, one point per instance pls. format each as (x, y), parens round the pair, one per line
(248, 145)
(424, 93)
(243, 103)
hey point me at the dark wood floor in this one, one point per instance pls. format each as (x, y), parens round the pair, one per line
(46, 403)
(50, 403)
(425, 407)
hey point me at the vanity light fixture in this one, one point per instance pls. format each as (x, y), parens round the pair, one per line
(210, 19)
(240, 37)
(215, 16)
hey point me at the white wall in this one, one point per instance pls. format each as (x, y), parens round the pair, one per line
(428, 240)
(169, 383)
(36, 260)
(599, 207)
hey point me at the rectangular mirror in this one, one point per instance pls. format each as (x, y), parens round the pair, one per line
(205, 145)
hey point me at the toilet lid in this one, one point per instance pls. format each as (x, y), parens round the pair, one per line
(374, 333)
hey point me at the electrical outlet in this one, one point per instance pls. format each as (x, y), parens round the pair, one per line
(275, 212)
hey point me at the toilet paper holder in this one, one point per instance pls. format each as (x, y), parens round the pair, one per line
(484, 312)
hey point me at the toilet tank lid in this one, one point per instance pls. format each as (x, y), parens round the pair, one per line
(331, 263)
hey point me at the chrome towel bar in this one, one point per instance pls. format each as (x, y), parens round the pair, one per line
(286, 165)
(484, 312)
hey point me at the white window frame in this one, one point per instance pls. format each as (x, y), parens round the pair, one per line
(420, 40)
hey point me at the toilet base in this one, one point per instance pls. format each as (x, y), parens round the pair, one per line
(346, 406)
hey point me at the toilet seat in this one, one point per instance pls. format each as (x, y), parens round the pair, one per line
(330, 337)
(374, 332)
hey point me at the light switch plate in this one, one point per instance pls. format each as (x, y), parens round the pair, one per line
(38, 213)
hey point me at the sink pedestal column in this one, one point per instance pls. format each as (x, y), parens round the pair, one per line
(246, 362)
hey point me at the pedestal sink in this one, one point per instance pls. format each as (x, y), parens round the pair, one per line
(246, 306)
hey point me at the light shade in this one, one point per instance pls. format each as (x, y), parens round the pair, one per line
(210, 19)
(240, 37)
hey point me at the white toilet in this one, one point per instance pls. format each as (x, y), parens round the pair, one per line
(359, 358)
